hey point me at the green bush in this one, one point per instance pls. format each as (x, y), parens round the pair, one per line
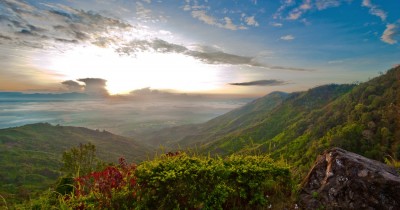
(187, 182)
(176, 181)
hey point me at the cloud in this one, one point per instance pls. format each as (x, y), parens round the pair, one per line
(324, 4)
(298, 12)
(95, 86)
(251, 21)
(225, 18)
(389, 34)
(5, 37)
(287, 37)
(206, 54)
(202, 16)
(226, 24)
(72, 86)
(285, 4)
(277, 24)
(63, 24)
(290, 68)
(20, 7)
(260, 83)
(374, 10)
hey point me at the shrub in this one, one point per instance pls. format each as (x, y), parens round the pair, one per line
(188, 182)
(181, 181)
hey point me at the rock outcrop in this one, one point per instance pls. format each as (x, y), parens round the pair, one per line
(345, 180)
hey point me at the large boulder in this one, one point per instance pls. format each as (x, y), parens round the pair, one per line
(344, 180)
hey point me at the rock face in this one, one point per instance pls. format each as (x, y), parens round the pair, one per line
(344, 180)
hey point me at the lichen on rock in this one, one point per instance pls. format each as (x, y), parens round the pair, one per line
(344, 180)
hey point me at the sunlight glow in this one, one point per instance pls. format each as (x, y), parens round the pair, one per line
(145, 69)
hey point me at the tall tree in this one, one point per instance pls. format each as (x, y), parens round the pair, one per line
(79, 160)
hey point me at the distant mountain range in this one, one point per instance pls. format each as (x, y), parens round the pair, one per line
(19, 96)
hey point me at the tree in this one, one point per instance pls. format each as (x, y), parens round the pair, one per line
(79, 160)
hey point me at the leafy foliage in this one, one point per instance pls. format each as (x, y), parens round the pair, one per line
(179, 181)
(360, 118)
(79, 160)
(31, 155)
(235, 182)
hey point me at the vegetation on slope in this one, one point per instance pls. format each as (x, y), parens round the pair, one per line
(238, 119)
(179, 181)
(362, 119)
(30, 156)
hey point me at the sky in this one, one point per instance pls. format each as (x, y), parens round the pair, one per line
(243, 47)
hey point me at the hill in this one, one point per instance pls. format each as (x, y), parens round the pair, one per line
(30, 155)
(197, 134)
(363, 119)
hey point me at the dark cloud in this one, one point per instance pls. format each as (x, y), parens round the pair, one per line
(290, 68)
(223, 58)
(15, 24)
(66, 24)
(72, 26)
(66, 15)
(27, 32)
(70, 41)
(72, 86)
(204, 53)
(19, 7)
(5, 37)
(95, 86)
(156, 45)
(36, 28)
(261, 83)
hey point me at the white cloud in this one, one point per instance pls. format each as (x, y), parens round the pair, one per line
(299, 11)
(227, 22)
(285, 4)
(251, 21)
(202, 16)
(324, 4)
(277, 24)
(390, 32)
(187, 7)
(142, 12)
(287, 37)
(374, 10)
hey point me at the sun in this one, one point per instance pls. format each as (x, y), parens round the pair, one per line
(146, 69)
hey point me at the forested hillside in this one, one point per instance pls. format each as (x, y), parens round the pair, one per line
(363, 119)
(235, 120)
(30, 156)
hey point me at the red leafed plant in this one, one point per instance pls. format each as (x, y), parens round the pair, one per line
(105, 188)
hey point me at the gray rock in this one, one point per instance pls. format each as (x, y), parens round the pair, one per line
(344, 180)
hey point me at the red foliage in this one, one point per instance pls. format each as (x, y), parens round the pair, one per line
(103, 182)
(172, 154)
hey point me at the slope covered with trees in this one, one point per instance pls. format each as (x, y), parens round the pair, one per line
(30, 155)
(363, 119)
(197, 134)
